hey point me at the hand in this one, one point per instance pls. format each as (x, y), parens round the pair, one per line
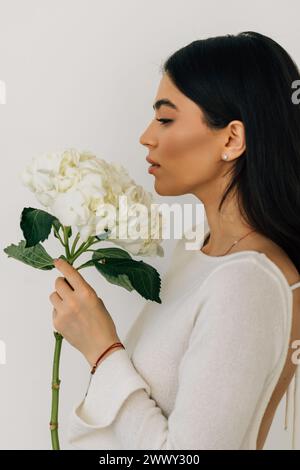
(79, 315)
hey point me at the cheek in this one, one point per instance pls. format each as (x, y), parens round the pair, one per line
(188, 152)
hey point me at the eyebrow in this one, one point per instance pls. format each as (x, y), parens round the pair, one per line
(164, 102)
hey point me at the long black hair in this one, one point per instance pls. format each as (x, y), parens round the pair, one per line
(251, 78)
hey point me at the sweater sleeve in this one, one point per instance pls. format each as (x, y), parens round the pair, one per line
(235, 342)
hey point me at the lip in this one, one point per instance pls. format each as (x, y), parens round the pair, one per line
(153, 169)
(149, 160)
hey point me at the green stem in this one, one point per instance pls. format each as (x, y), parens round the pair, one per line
(97, 241)
(58, 236)
(71, 256)
(83, 248)
(75, 243)
(66, 239)
(85, 265)
(55, 372)
(55, 392)
(79, 250)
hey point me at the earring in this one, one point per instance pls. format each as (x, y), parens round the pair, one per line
(225, 156)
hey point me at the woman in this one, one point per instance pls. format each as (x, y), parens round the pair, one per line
(208, 367)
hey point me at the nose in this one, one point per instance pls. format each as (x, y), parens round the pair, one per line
(145, 138)
(142, 139)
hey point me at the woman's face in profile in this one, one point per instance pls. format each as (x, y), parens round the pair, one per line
(187, 150)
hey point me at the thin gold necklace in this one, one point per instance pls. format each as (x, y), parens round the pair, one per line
(236, 241)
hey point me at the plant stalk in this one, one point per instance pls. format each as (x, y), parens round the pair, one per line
(75, 243)
(55, 392)
(66, 240)
(71, 256)
(58, 236)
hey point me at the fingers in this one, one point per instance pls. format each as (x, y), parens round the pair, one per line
(73, 277)
(63, 287)
(55, 299)
(54, 320)
(54, 314)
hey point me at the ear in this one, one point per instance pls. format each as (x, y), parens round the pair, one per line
(236, 140)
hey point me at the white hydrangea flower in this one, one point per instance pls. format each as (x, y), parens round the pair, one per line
(77, 187)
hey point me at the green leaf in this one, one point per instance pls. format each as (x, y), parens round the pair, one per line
(110, 253)
(36, 256)
(113, 253)
(121, 280)
(56, 225)
(130, 274)
(36, 225)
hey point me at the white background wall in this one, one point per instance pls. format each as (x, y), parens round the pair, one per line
(84, 74)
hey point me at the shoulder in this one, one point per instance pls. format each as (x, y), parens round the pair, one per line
(244, 302)
(277, 256)
(249, 283)
(272, 256)
(246, 295)
(245, 271)
(250, 288)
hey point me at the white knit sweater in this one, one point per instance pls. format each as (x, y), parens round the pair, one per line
(199, 368)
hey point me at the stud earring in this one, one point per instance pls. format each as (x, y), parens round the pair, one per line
(225, 156)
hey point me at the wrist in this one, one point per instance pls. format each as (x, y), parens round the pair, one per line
(111, 351)
(94, 355)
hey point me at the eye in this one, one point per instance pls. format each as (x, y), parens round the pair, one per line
(164, 121)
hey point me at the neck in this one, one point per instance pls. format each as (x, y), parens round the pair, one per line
(226, 226)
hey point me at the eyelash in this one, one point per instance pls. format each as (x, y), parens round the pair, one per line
(164, 121)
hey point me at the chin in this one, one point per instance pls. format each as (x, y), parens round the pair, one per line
(164, 190)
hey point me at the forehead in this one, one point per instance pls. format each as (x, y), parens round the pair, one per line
(168, 90)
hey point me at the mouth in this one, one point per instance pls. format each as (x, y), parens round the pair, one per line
(152, 162)
(153, 168)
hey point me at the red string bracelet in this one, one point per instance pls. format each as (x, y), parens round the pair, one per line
(114, 345)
